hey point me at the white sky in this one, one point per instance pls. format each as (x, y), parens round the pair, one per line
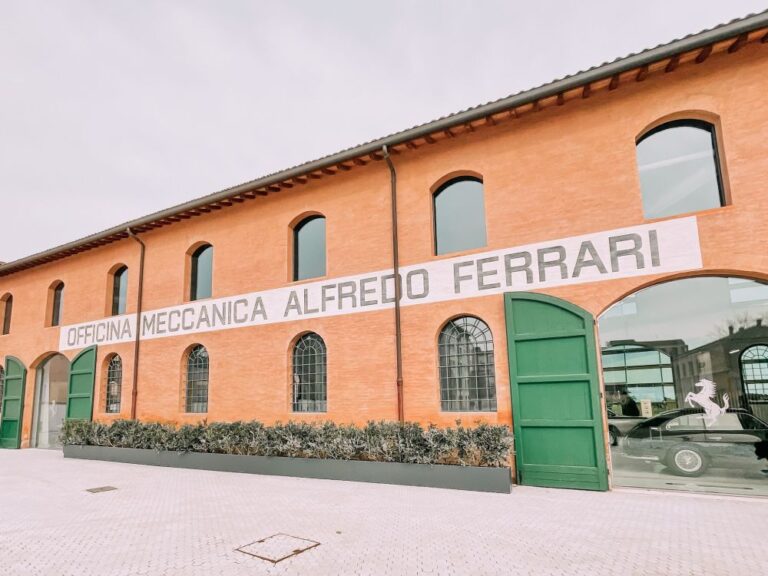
(113, 109)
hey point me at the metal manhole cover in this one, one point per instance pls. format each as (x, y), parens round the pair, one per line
(278, 547)
(100, 489)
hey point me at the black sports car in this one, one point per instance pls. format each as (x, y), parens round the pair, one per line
(689, 441)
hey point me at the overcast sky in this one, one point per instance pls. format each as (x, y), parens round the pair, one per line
(110, 109)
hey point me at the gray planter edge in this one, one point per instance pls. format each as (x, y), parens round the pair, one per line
(479, 479)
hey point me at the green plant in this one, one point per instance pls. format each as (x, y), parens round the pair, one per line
(408, 442)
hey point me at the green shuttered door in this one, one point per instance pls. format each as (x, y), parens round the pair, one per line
(13, 403)
(555, 398)
(82, 374)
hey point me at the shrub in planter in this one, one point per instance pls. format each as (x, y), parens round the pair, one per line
(481, 445)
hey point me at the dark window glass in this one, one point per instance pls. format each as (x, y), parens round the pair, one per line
(679, 169)
(309, 248)
(2, 387)
(196, 390)
(119, 291)
(459, 216)
(58, 303)
(467, 373)
(114, 384)
(309, 374)
(7, 305)
(202, 273)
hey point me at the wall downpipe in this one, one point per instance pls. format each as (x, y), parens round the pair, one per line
(398, 284)
(137, 341)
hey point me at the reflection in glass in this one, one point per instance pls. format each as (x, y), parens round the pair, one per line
(644, 373)
(309, 248)
(459, 216)
(678, 168)
(754, 372)
(693, 354)
(50, 405)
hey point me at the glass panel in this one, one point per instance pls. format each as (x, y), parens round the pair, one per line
(309, 248)
(202, 273)
(7, 314)
(310, 374)
(678, 169)
(459, 216)
(119, 291)
(702, 422)
(50, 406)
(114, 384)
(466, 366)
(197, 380)
(58, 303)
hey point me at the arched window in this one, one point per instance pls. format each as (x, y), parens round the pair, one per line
(196, 388)
(201, 280)
(2, 388)
(57, 302)
(6, 311)
(114, 384)
(679, 169)
(754, 374)
(459, 215)
(119, 290)
(309, 374)
(309, 248)
(467, 373)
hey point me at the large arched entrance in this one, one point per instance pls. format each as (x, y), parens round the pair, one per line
(685, 385)
(50, 403)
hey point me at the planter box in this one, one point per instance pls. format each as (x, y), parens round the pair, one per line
(480, 479)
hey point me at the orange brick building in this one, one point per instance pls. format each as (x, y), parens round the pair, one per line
(558, 179)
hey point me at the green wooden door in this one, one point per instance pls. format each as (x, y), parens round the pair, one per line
(13, 403)
(555, 398)
(82, 377)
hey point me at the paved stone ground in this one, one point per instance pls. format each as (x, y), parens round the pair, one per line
(172, 522)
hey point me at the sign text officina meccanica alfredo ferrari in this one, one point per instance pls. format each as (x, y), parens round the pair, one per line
(669, 246)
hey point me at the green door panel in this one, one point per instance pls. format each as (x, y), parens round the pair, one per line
(13, 403)
(82, 377)
(555, 396)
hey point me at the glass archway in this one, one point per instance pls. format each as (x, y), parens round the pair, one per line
(50, 406)
(682, 372)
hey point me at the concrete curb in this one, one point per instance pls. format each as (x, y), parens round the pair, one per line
(479, 479)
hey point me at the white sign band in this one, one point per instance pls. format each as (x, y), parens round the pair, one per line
(663, 247)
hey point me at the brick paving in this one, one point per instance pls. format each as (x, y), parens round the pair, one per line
(173, 522)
